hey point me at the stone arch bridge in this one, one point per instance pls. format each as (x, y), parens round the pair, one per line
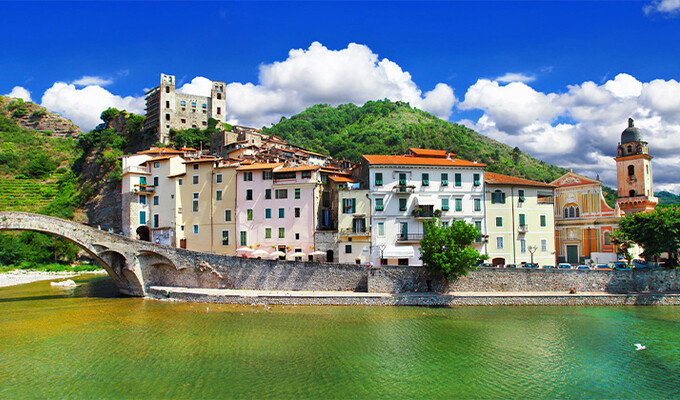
(136, 265)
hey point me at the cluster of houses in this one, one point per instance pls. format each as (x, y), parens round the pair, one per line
(262, 197)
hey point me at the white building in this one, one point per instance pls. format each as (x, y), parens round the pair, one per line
(406, 191)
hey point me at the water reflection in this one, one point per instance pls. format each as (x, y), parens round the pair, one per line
(90, 343)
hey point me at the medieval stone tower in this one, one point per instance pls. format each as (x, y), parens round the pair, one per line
(634, 173)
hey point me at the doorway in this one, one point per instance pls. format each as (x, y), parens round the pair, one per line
(572, 254)
(144, 233)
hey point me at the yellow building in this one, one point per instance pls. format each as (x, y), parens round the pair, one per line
(520, 223)
(584, 222)
(354, 213)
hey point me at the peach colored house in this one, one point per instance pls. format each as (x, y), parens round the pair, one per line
(276, 210)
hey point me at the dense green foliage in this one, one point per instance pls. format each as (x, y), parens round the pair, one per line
(656, 232)
(386, 127)
(194, 137)
(667, 198)
(447, 250)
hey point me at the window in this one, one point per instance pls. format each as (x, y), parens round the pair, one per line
(498, 197)
(378, 179)
(445, 204)
(267, 233)
(459, 205)
(349, 206)
(520, 194)
(478, 204)
(249, 214)
(297, 212)
(402, 204)
(476, 178)
(204, 105)
(445, 179)
(227, 215)
(182, 103)
(297, 193)
(282, 213)
(225, 238)
(267, 213)
(402, 179)
(247, 176)
(544, 245)
(218, 195)
(249, 194)
(194, 179)
(379, 204)
(499, 221)
(459, 179)
(244, 238)
(142, 218)
(195, 166)
(607, 239)
(381, 229)
(167, 117)
(478, 226)
(142, 180)
(499, 242)
(195, 229)
(306, 174)
(155, 200)
(219, 110)
(281, 193)
(195, 203)
(266, 175)
(156, 164)
(182, 120)
(267, 194)
(426, 179)
(155, 181)
(631, 170)
(522, 220)
(543, 221)
(179, 181)
(348, 249)
(142, 199)
(179, 210)
(522, 246)
(297, 237)
(282, 233)
(218, 178)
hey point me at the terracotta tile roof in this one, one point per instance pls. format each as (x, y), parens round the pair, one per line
(410, 160)
(161, 150)
(430, 153)
(303, 168)
(200, 160)
(499, 179)
(159, 159)
(187, 149)
(259, 166)
(340, 179)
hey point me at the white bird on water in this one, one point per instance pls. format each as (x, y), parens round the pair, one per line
(639, 347)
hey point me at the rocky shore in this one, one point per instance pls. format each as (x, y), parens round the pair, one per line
(19, 277)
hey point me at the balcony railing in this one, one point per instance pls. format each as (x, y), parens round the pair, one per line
(353, 232)
(136, 169)
(404, 189)
(144, 188)
(426, 214)
(523, 229)
(409, 237)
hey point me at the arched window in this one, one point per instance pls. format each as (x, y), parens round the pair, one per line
(631, 170)
(571, 212)
(167, 89)
(577, 212)
(631, 193)
(630, 149)
(566, 212)
(607, 239)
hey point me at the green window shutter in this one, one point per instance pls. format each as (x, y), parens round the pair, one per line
(282, 232)
(478, 226)
(543, 221)
(445, 204)
(499, 221)
(297, 193)
(459, 179)
(267, 194)
(478, 205)
(381, 229)
(477, 181)
(267, 233)
(426, 179)
(379, 204)
(459, 204)
(378, 179)
(250, 214)
(243, 238)
(445, 179)
(402, 204)
(522, 219)
(267, 213)
(502, 198)
(520, 194)
(354, 206)
(402, 179)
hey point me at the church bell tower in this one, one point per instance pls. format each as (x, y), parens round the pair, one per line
(634, 173)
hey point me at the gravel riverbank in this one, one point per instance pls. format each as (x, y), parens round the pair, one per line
(19, 277)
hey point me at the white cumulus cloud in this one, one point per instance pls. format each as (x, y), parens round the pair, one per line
(199, 86)
(515, 77)
(84, 106)
(20, 93)
(320, 75)
(667, 7)
(92, 80)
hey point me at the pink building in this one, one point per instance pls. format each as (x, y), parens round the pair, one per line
(276, 209)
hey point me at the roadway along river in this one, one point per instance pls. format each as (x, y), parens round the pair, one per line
(88, 343)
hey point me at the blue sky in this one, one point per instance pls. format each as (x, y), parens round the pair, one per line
(557, 79)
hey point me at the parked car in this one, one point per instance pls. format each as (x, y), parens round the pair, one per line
(548, 267)
(603, 267)
(621, 266)
(487, 265)
(530, 265)
(510, 265)
(639, 264)
(582, 266)
(564, 266)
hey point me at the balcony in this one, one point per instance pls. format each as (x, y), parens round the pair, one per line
(426, 212)
(144, 188)
(353, 232)
(136, 169)
(523, 229)
(404, 189)
(409, 237)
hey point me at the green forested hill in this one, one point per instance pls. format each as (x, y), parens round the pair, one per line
(386, 127)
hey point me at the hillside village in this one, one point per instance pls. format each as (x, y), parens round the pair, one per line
(255, 195)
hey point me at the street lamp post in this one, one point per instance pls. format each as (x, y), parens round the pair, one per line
(532, 250)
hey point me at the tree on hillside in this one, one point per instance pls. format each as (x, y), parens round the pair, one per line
(657, 232)
(447, 249)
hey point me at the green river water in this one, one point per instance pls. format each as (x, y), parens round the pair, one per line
(88, 343)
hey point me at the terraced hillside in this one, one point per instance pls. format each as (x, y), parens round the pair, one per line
(29, 195)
